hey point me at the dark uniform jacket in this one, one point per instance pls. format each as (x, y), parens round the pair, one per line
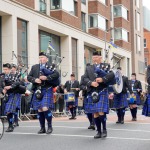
(35, 73)
(126, 85)
(90, 76)
(68, 87)
(137, 85)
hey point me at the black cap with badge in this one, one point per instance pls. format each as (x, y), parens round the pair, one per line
(7, 65)
(96, 53)
(42, 54)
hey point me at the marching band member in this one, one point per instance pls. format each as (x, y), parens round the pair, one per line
(18, 103)
(72, 86)
(137, 89)
(97, 98)
(90, 116)
(120, 100)
(11, 87)
(43, 92)
(146, 107)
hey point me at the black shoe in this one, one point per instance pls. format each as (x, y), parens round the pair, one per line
(42, 130)
(118, 122)
(71, 118)
(104, 134)
(10, 129)
(49, 130)
(91, 127)
(98, 135)
(16, 124)
(122, 122)
(134, 119)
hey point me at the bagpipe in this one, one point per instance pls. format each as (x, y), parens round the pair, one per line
(48, 70)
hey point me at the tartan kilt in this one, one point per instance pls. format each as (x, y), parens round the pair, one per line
(18, 102)
(75, 103)
(101, 106)
(146, 107)
(85, 101)
(120, 100)
(10, 106)
(47, 100)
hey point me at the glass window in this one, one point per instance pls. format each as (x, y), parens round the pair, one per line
(67, 5)
(145, 43)
(83, 21)
(44, 43)
(101, 22)
(120, 11)
(93, 21)
(141, 67)
(42, 5)
(74, 58)
(0, 44)
(138, 43)
(121, 34)
(22, 41)
(83, 2)
(138, 21)
(97, 21)
(88, 51)
(55, 4)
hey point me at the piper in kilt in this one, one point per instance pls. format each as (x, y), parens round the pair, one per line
(72, 86)
(9, 88)
(43, 96)
(146, 107)
(18, 97)
(90, 116)
(137, 89)
(120, 100)
(97, 98)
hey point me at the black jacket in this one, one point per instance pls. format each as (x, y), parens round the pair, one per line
(83, 86)
(126, 85)
(90, 76)
(67, 86)
(137, 85)
(35, 73)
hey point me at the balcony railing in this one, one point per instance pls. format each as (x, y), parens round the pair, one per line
(42, 6)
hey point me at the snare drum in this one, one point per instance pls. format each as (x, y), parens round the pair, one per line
(69, 97)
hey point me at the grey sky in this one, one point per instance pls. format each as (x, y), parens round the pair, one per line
(146, 3)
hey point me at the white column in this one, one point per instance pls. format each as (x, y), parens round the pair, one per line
(9, 38)
(48, 7)
(33, 44)
(66, 51)
(80, 58)
(37, 5)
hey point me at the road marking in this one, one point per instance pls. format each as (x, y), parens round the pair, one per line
(82, 136)
(70, 127)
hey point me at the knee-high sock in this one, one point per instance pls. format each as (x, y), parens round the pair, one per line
(16, 115)
(131, 110)
(10, 119)
(71, 111)
(103, 121)
(48, 116)
(134, 112)
(119, 114)
(90, 117)
(98, 124)
(41, 118)
(122, 112)
(74, 111)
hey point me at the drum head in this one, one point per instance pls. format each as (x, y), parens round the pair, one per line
(119, 82)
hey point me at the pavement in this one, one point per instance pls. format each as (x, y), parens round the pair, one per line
(74, 135)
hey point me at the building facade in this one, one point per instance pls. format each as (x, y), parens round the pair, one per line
(75, 29)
